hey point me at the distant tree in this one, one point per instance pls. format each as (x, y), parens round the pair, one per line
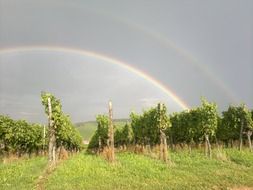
(20, 136)
(102, 128)
(185, 127)
(99, 139)
(6, 124)
(179, 129)
(151, 131)
(247, 125)
(138, 128)
(145, 127)
(208, 122)
(118, 137)
(150, 128)
(127, 135)
(236, 121)
(229, 129)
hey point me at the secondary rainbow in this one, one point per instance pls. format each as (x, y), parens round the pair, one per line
(101, 57)
(167, 43)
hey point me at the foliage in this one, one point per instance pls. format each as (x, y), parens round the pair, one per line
(127, 134)
(191, 125)
(66, 133)
(231, 122)
(123, 136)
(208, 118)
(146, 127)
(20, 136)
(101, 134)
(180, 132)
(6, 123)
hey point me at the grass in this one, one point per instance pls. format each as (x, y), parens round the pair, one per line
(87, 129)
(133, 171)
(244, 158)
(21, 174)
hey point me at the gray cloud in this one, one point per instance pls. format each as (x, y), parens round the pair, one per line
(161, 38)
(84, 85)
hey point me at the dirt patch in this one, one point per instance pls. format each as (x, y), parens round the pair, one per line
(40, 184)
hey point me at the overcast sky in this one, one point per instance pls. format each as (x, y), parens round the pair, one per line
(193, 47)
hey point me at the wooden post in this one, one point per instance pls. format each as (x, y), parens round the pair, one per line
(44, 138)
(208, 146)
(110, 142)
(163, 147)
(249, 133)
(52, 139)
(99, 144)
(163, 140)
(241, 133)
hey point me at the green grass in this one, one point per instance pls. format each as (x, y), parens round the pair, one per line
(133, 171)
(21, 174)
(244, 158)
(87, 129)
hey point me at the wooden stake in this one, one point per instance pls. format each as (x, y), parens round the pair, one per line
(52, 139)
(163, 140)
(241, 133)
(44, 138)
(249, 133)
(110, 142)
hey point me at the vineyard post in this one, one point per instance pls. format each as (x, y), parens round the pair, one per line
(208, 150)
(163, 146)
(241, 133)
(44, 138)
(163, 141)
(249, 133)
(52, 139)
(99, 144)
(111, 134)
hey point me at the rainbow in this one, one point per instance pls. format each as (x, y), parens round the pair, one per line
(101, 57)
(167, 43)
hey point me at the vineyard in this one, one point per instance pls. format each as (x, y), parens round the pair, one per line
(20, 137)
(152, 150)
(191, 128)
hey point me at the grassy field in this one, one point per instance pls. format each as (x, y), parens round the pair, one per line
(132, 171)
(87, 129)
(21, 174)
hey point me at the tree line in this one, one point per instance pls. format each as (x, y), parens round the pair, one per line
(194, 127)
(20, 137)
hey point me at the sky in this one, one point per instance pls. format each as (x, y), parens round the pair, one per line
(141, 53)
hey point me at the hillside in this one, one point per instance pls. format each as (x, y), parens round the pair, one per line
(88, 128)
